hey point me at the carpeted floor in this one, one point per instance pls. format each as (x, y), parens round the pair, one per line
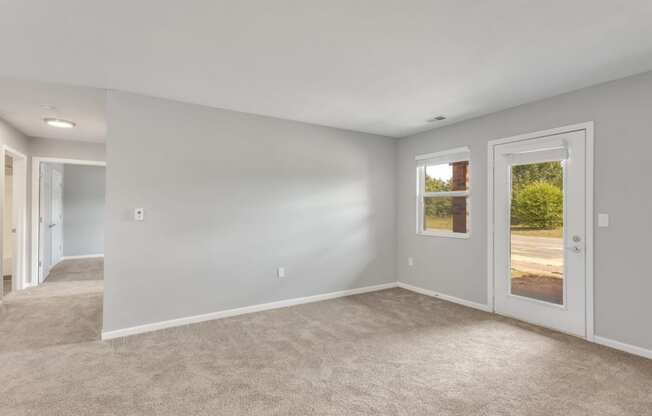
(66, 309)
(392, 352)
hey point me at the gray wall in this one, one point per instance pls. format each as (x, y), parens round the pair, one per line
(228, 198)
(83, 210)
(623, 155)
(69, 149)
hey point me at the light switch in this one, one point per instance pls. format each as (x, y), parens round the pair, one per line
(410, 261)
(603, 220)
(139, 214)
(280, 272)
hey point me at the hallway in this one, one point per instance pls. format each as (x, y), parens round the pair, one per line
(65, 309)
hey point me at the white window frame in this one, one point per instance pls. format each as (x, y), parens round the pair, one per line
(460, 154)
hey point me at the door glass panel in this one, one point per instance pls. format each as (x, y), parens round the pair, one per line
(537, 231)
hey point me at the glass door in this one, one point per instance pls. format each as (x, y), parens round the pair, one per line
(539, 230)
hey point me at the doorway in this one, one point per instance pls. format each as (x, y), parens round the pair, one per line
(14, 221)
(72, 233)
(541, 228)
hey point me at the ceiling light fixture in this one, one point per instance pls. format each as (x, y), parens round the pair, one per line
(57, 122)
(438, 118)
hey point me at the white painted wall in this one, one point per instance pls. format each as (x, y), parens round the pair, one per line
(623, 155)
(228, 198)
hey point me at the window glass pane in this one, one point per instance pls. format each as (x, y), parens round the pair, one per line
(445, 214)
(537, 232)
(447, 177)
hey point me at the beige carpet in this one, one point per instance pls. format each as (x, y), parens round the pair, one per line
(66, 309)
(386, 353)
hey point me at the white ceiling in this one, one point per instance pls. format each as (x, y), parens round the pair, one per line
(25, 104)
(380, 66)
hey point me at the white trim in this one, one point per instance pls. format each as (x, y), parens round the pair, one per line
(36, 164)
(66, 161)
(435, 155)
(590, 143)
(589, 131)
(632, 349)
(588, 126)
(431, 233)
(446, 194)
(19, 273)
(490, 226)
(140, 329)
(84, 256)
(432, 293)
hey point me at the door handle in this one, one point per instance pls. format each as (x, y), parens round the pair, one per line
(51, 225)
(575, 249)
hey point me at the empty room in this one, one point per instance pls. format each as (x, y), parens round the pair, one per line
(326, 208)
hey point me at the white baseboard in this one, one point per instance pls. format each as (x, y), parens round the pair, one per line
(632, 349)
(449, 298)
(85, 256)
(140, 329)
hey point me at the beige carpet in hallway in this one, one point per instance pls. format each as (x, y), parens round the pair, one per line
(65, 309)
(392, 352)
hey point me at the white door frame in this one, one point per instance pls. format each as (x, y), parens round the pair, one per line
(588, 128)
(36, 181)
(19, 272)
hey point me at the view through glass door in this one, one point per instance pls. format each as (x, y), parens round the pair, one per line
(539, 231)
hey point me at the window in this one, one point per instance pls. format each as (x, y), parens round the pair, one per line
(443, 193)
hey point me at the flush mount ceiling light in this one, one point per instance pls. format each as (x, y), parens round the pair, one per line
(57, 122)
(438, 118)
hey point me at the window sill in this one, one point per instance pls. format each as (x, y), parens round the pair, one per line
(444, 234)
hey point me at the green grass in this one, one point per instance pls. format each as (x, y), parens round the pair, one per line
(554, 233)
(439, 223)
(446, 223)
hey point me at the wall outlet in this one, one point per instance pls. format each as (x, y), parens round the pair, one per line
(280, 272)
(139, 214)
(410, 261)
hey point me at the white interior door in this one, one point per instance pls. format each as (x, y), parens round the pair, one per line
(540, 231)
(56, 217)
(45, 241)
